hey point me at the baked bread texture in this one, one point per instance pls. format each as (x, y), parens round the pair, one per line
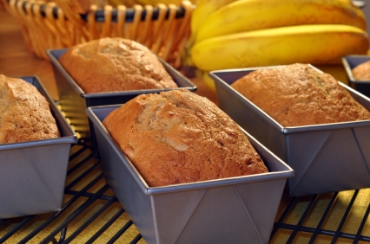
(180, 137)
(115, 64)
(362, 71)
(24, 113)
(297, 95)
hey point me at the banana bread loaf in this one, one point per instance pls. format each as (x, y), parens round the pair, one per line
(362, 71)
(24, 113)
(115, 64)
(179, 137)
(296, 95)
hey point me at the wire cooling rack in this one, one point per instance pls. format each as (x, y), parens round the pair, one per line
(92, 214)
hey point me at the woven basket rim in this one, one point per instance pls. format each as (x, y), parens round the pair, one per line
(100, 16)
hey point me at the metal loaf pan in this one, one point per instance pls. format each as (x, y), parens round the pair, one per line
(246, 206)
(349, 63)
(325, 158)
(33, 174)
(74, 100)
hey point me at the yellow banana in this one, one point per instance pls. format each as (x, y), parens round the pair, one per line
(166, 2)
(247, 15)
(210, 83)
(203, 9)
(315, 44)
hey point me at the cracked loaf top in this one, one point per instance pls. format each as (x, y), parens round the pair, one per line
(180, 137)
(296, 95)
(24, 113)
(115, 64)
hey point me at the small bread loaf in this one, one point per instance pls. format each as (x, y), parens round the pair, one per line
(179, 137)
(362, 71)
(296, 95)
(115, 64)
(24, 113)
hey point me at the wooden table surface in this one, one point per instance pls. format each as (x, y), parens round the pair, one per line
(17, 60)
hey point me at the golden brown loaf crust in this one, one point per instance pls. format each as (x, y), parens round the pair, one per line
(296, 95)
(362, 71)
(24, 113)
(115, 64)
(180, 137)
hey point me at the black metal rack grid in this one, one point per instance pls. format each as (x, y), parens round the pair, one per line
(92, 214)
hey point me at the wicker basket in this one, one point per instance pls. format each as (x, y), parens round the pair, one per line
(60, 24)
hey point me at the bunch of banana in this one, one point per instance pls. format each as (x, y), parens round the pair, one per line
(315, 44)
(251, 33)
(248, 15)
